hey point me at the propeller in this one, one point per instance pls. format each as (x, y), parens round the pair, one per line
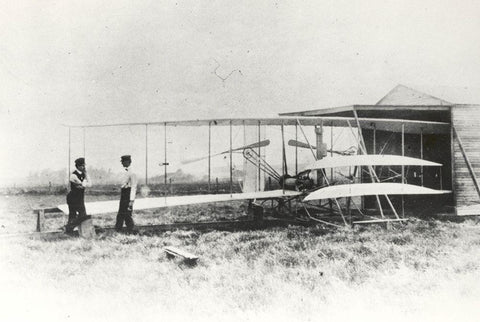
(350, 151)
(249, 146)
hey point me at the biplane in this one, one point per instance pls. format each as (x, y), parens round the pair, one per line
(308, 193)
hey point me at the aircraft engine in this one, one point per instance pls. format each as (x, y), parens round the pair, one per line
(300, 182)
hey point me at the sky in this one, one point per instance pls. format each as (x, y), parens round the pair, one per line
(94, 62)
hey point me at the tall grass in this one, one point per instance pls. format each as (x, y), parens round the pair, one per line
(425, 270)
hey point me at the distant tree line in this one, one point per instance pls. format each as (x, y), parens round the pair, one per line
(101, 176)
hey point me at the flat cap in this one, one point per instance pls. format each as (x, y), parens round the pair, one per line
(126, 158)
(80, 161)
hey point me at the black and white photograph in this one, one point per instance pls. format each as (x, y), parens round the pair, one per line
(240, 160)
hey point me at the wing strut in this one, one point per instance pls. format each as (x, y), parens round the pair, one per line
(326, 179)
(284, 156)
(373, 175)
(306, 139)
(370, 169)
(209, 154)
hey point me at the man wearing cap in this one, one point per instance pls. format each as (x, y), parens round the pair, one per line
(127, 196)
(79, 180)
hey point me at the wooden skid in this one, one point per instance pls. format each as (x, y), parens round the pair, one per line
(217, 225)
(378, 221)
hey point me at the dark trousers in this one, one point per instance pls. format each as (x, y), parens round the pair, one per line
(124, 215)
(76, 210)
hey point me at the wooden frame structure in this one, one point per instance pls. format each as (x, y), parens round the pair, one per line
(367, 123)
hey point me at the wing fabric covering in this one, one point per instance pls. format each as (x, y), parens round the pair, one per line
(370, 159)
(371, 189)
(102, 207)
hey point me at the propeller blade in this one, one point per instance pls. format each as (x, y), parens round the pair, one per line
(188, 161)
(323, 148)
(300, 144)
(350, 151)
(249, 146)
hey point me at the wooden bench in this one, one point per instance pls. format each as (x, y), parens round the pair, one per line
(40, 214)
(172, 252)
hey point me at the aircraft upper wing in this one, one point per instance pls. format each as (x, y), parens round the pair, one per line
(390, 125)
(370, 159)
(370, 189)
(102, 207)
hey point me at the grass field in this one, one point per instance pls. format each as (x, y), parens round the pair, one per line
(422, 271)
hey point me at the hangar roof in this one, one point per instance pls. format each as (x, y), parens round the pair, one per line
(401, 102)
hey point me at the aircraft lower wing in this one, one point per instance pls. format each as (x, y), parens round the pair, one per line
(371, 189)
(102, 207)
(370, 159)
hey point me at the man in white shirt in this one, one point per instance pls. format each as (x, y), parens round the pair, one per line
(79, 180)
(127, 196)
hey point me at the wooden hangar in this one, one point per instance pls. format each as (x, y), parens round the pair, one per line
(455, 145)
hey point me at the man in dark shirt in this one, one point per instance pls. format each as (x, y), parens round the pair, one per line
(76, 197)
